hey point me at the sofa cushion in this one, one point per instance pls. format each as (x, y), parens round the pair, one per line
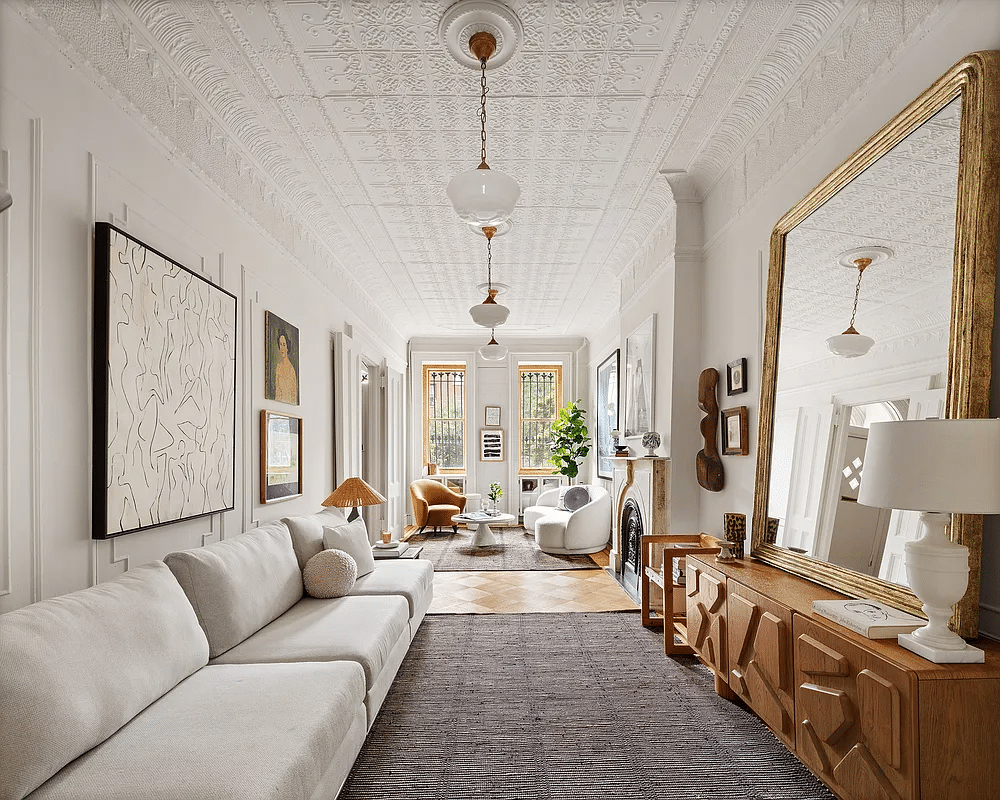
(352, 538)
(412, 578)
(239, 585)
(330, 573)
(576, 497)
(247, 732)
(76, 668)
(361, 629)
(307, 532)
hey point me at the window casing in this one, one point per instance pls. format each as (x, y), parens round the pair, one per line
(539, 389)
(444, 417)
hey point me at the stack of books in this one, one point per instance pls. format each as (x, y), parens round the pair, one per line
(870, 618)
(398, 550)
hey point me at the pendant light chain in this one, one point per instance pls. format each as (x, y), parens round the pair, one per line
(857, 291)
(482, 110)
(489, 263)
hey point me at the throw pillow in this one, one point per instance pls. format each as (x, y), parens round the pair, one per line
(352, 538)
(330, 573)
(576, 497)
(561, 504)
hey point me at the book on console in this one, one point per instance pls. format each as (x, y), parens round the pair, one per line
(390, 552)
(870, 618)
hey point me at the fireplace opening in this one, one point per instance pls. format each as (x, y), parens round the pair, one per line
(631, 539)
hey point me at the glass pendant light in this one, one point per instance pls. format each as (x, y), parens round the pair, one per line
(489, 313)
(850, 343)
(492, 350)
(483, 196)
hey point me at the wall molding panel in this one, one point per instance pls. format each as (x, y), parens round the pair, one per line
(34, 368)
(5, 516)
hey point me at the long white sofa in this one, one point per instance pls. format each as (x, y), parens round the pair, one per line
(206, 675)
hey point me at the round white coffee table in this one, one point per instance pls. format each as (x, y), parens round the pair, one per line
(483, 537)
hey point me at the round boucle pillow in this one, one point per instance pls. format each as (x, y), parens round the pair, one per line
(329, 573)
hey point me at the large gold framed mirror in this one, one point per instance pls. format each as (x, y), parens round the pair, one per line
(899, 243)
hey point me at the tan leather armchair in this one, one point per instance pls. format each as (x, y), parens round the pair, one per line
(435, 504)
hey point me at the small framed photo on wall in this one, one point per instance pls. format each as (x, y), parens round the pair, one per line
(491, 445)
(736, 376)
(735, 434)
(492, 416)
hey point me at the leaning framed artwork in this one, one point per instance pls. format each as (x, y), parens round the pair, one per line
(164, 414)
(735, 431)
(280, 456)
(607, 413)
(281, 356)
(640, 371)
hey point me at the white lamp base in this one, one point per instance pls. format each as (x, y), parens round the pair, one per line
(967, 655)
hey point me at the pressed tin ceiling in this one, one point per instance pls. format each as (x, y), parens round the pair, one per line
(336, 127)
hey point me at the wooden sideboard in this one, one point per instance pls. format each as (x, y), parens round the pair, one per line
(871, 719)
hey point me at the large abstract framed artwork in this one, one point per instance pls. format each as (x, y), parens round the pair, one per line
(640, 369)
(164, 389)
(280, 456)
(607, 414)
(281, 352)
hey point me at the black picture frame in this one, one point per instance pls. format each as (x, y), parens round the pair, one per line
(280, 456)
(608, 413)
(736, 376)
(164, 372)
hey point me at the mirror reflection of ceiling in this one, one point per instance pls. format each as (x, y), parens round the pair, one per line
(335, 125)
(906, 201)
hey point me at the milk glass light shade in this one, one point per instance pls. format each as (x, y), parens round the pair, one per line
(483, 196)
(849, 344)
(489, 313)
(493, 351)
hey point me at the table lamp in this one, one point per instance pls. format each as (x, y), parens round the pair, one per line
(352, 493)
(939, 467)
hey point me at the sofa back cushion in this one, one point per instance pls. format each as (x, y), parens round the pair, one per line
(74, 669)
(307, 531)
(239, 585)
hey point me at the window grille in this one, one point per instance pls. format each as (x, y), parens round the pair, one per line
(444, 417)
(540, 400)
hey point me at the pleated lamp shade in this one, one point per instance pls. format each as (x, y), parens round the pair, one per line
(354, 492)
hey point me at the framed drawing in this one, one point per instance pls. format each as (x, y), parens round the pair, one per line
(280, 456)
(640, 370)
(607, 414)
(735, 436)
(281, 356)
(492, 416)
(736, 376)
(491, 445)
(164, 415)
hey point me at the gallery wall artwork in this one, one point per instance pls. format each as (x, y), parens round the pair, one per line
(164, 389)
(280, 456)
(640, 370)
(607, 414)
(281, 354)
(491, 445)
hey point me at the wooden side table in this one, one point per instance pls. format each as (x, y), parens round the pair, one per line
(672, 546)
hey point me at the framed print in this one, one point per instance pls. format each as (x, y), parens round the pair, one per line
(492, 416)
(736, 376)
(281, 356)
(164, 414)
(735, 437)
(280, 456)
(607, 414)
(491, 445)
(640, 370)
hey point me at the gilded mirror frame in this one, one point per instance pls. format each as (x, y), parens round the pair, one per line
(976, 79)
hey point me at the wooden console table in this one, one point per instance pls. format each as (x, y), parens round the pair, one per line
(871, 719)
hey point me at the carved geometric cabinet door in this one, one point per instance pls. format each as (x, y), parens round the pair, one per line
(706, 616)
(855, 715)
(760, 658)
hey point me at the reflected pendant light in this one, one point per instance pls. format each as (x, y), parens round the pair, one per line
(850, 343)
(483, 196)
(492, 350)
(489, 313)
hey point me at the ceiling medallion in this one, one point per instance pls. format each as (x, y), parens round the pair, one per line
(482, 196)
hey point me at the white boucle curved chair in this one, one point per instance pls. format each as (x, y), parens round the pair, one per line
(586, 530)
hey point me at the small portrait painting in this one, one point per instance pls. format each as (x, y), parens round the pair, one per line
(281, 353)
(736, 376)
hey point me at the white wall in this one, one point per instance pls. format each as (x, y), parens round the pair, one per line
(72, 156)
(493, 383)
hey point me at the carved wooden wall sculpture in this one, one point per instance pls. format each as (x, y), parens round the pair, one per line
(708, 462)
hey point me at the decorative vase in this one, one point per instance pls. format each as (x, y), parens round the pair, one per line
(771, 531)
(735, 527)
(651, 440)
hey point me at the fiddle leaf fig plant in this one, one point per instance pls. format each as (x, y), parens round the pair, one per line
(570, 440)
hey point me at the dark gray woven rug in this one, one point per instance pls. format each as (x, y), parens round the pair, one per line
(453, 552)
(491, 707)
